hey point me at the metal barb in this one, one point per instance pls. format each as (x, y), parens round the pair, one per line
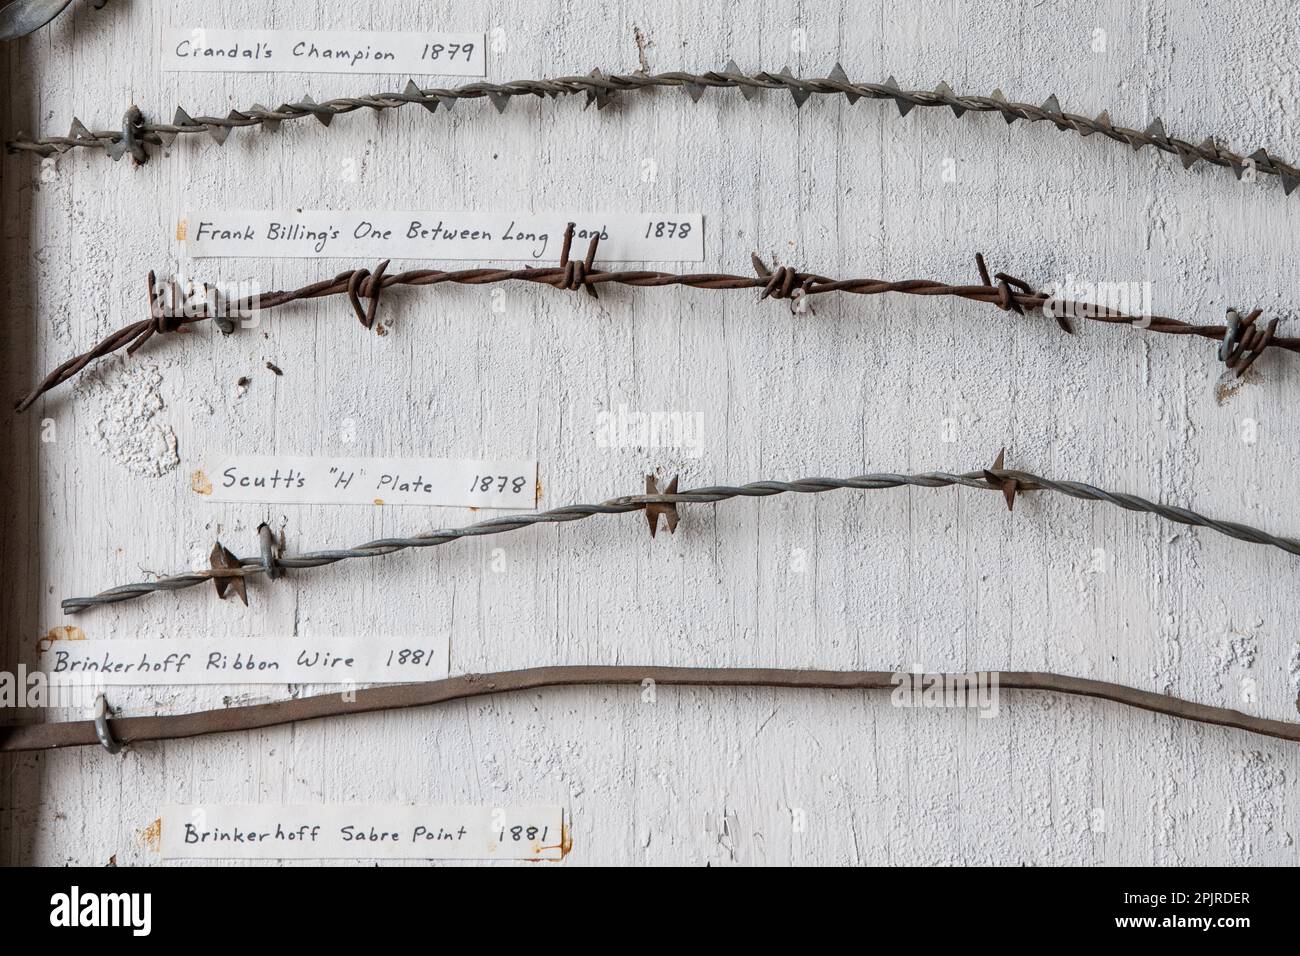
(223, 559)
(667, 510)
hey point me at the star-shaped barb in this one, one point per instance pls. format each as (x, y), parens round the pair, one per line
(668, 510)
(222, 559)
(1010, 486)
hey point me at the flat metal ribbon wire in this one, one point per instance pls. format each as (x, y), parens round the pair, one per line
(128, 730)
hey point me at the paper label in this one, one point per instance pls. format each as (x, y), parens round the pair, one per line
(370, 481)
(270, 832)
(371, 234)
(260, 660)
(205, 50)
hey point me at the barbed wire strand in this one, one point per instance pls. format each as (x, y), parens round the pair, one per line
(601, 89)
(172, 309)
(1008, 482)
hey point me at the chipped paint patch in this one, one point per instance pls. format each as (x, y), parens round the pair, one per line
(182, 229)
(537, 492)
(128, 428)
(200, 483)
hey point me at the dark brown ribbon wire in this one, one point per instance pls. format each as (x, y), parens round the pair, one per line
(130, 730)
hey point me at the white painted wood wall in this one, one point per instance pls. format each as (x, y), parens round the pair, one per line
(944, 579)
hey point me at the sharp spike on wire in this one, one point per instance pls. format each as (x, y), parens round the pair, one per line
(1051, 105)
(1009, 486)
(839, 76)
(904, 107)
(269, 123)
(499, 100)
(78, 131)
(1007, 114)
(325, 117)
(799, 96)
(413, 89)
(944, 90)
(733, 70)
(598, 95)
(1156, 130)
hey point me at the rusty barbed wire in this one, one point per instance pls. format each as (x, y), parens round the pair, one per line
(1242, 341)
(1010, 483)
(601, 88)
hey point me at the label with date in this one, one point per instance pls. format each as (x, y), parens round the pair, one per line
(261, 660)
(206, 50)
(285, 832)
(374, 234)
(449, 482)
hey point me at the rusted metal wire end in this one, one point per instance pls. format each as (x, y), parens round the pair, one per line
(1008, 286)
(655, 509)
(576, 272)
(363, 284)
(1244, 342)
(223, 559)
(269, 552)
(785, 283)
(1010, 487)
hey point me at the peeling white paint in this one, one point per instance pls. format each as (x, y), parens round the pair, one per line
(124, 397)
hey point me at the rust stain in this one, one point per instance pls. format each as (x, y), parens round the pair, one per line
(151, 836)
(1227, 389)
(564, 846)
(379, 501)
(199, 482)
(182, 227)
(64, 632)
(537, 492)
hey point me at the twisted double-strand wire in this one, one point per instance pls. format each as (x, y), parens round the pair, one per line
(1242, 340)
(1009, 482)
(599, 88)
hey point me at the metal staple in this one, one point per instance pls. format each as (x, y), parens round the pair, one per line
(1242, 341)
(1007, 482)
(600, 88)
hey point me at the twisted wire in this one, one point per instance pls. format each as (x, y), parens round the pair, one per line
(997, 478)
(600, 88)
(1242, 342)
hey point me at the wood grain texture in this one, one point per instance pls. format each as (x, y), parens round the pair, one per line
(948, 581)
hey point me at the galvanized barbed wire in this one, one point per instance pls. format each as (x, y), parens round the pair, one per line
(1010, 483)
(173, 309)
(600, 88)
(112, 733)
